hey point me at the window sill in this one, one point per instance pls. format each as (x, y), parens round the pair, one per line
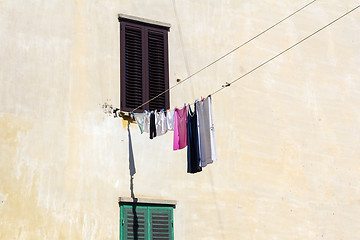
(147, 201)
(144, 20)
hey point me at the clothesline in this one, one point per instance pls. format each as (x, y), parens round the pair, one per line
(199, 135)
(225, 55)
(227, 84)
(287, 49)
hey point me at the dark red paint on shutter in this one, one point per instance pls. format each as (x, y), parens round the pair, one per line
(157, 68)
(144, 69)
(133, 86)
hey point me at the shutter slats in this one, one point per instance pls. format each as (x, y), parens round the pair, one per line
(133, 67)
(144, 66)
(146, 222)
(135, 223)
(156, 71)
(160, 222)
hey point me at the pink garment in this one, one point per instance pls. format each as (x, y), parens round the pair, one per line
(180, 130)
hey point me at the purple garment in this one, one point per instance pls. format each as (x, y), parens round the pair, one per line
(180, 130)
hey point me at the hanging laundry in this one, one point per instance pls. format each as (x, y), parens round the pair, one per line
(170, 120)
(180, 130)
(139, 118)
(152, 126)
(193, 155)
(160, 123)
(206, 131)
(146, 126)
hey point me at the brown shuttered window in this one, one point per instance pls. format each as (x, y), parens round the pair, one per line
(144, 67)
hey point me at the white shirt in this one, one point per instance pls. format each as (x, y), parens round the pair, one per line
(212, 131)
(146, 126)
(160, 123)
(206, 132)
(170, 120)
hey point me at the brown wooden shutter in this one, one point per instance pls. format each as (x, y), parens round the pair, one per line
(144, 66)
(132, 66)
(157, 68)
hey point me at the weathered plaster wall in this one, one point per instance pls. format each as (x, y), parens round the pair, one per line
(287, 135)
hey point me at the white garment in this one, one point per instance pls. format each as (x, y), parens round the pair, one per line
(212, 130)
(170, 120)
(146, 126)
(160, 123)
(139, 118)
(206, 132)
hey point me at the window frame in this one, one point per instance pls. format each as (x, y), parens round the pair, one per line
(146, 27)
(149, 207)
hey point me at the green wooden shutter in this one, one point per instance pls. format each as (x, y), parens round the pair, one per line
(134, 223)
(161, 224)
(146, 222)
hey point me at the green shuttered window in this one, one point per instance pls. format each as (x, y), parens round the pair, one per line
(144, 71)
(146, 222)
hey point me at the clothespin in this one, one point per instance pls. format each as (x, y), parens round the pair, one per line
(226, 84)
(115, 112)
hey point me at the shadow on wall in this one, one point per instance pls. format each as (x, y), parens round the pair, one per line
(132, 170)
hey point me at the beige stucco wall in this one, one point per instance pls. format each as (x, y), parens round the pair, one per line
(287, 135)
